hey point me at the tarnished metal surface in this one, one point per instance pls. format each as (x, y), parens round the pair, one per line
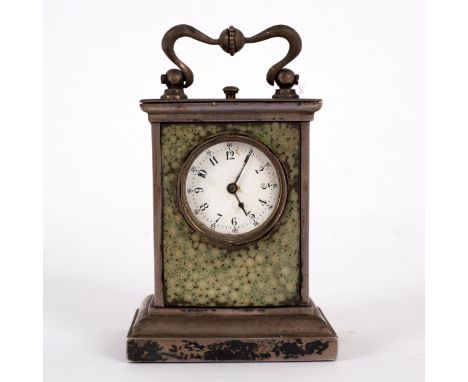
(242, 334)
(231, 350)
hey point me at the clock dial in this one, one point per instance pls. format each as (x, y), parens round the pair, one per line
(232, 188)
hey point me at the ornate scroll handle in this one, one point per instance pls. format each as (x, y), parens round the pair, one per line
(231, 40)
(295, 46)
(169, 39)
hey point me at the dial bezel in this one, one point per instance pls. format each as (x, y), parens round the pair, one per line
(222, 238)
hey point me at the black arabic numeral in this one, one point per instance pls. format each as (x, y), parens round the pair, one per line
(202, 173)
(213, 225)
(267, 164)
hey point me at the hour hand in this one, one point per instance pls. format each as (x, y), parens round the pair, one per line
(232, 189)
(241, 205)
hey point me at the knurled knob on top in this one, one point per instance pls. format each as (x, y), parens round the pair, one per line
(230, 92)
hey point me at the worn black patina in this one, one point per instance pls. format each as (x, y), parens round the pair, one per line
(233, 350)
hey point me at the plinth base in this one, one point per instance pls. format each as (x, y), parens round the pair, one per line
(299, 333)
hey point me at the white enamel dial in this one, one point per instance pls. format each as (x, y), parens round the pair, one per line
(233, 186)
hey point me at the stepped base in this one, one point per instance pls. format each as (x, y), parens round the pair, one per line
(296, 333)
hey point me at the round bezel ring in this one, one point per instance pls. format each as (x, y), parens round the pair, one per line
(231, 239)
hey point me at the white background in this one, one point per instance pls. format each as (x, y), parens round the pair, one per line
(363, 58)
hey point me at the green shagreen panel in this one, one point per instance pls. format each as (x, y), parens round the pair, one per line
(263, 273)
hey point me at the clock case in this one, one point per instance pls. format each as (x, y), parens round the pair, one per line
(163, 333)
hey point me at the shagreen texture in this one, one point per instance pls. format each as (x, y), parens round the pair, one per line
(197, 273)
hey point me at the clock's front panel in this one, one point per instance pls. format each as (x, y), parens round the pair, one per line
(231, 214)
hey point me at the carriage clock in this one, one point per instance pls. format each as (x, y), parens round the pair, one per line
(231, 206)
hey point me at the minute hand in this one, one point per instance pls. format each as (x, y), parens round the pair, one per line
(243, 166)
